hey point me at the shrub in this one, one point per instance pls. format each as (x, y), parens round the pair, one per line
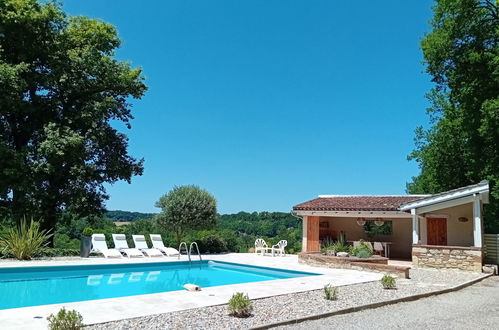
(212, 244)
(364, 253)
(240, 305)
(54, 252)
(339, 246)
(361, 251)
(87, 232)
(388, 282)
(331, 292)
(25, 240)
(65, 320)
(63, 241)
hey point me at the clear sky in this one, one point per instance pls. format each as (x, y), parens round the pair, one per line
(269, 103)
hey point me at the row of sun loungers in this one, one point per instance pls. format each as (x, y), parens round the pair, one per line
(141, 249)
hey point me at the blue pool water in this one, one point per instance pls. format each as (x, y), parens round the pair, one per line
(23, 287)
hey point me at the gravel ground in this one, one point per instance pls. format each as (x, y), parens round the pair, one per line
(475, 307)
(296, 305)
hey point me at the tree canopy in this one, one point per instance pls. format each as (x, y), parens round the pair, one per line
(186, 208)
(462, 145)
(61, 87)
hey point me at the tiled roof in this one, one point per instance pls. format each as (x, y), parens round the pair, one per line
(352, 203)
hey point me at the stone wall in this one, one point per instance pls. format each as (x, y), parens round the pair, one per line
(374, 264)
(447, 257)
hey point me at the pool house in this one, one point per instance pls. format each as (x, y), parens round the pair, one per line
(444, 230)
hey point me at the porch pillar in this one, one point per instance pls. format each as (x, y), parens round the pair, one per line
(477, 221)
(304, 235)
(415, 226)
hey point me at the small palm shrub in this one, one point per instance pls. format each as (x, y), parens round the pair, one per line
(25, 240)
(388, 282)
(339, 246)
(330, 292)
(240, 305)
(65, 320)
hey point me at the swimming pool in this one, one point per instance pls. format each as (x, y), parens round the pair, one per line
(33, 286)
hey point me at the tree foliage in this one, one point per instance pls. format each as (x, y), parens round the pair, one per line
(462, 145)
(186, 208)
(126, 216)
(61, 87)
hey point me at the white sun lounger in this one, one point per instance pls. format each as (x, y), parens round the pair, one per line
(141, 244)
(121, 244)
(99, 245)
(157, 243)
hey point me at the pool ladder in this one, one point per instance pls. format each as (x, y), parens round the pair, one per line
(189, 251)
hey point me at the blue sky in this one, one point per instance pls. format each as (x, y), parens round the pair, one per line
(269, 103)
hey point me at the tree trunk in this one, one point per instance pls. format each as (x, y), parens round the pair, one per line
(180, 236)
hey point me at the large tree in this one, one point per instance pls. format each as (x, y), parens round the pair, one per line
(61, 87)
(186, 208)
(462, 145)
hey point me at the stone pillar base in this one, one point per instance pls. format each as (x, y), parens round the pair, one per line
(447, 257)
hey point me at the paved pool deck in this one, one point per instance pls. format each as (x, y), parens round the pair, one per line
(104, 310)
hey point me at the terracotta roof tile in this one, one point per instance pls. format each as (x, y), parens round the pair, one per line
(349, 203)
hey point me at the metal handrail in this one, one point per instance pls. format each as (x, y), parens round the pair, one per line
(197, 249)
(186, 250)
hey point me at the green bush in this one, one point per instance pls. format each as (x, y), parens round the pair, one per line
(46, 253)
(213, 244)
(63, 241)
(364, 253)
(25, 240)
(53, 252)
(330, 292)
(388, 282)
(87, 232)
(240, 305)
(361, 251)
(65, 320)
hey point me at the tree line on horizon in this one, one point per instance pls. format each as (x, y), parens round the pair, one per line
(231, 233)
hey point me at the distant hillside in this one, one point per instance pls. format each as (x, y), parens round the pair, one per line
(127, 216)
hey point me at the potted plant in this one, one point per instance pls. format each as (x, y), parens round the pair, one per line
(86, 242)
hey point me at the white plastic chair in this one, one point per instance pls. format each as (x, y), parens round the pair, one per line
(157, 243)
(121, 244)
(99, 245)
(141, 244)
(261, 245)
(279, 248)
(378, 248)
(369, 245)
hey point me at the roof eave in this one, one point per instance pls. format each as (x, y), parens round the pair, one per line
(481, 188)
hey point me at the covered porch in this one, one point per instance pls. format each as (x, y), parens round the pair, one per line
(369, 218)
(438, 231)
(447, 228)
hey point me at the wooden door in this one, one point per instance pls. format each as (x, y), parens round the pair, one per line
(437, 231)
(313, 234)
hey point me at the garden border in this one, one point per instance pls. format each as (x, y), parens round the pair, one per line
(373, 305)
